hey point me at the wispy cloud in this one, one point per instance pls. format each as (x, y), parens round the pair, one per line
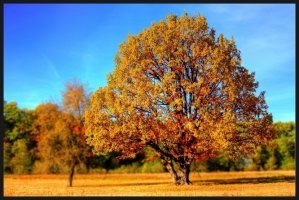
(274, 55)
(51, 66)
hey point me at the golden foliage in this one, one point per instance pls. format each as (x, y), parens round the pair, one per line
(60, 131)
(75, 98)
(180, 90)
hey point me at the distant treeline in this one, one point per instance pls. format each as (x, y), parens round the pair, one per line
(29, 140)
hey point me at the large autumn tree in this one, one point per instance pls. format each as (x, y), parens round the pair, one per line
(182, 91)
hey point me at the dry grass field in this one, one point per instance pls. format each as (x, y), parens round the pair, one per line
(269, 183)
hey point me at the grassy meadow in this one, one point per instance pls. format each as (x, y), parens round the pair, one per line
(249, 183)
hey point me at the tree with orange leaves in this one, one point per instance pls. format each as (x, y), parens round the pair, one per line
(60, 131)
(181, 91)
(75, 101)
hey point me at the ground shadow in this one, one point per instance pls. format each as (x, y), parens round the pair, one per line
(274, 179)
(124, 184)
(258, 180)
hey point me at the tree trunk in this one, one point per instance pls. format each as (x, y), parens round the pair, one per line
(172, 172)
(87, 167)
(169, 166)
(72, 171)
(183, 174)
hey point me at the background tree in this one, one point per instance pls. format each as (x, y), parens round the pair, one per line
(181, 91)
(22, 160)
(61, 131)
(46, 116)
(279, 153)
(11, 117)
(7, 155)
(260, 157)
(16, 122)
(285, 144)
(107, 162)
(75, 101)
(62, 145)
(222, 163)
(18, 146)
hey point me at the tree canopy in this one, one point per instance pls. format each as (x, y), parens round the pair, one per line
(182, 91)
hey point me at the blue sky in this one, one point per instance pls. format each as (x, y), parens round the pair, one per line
(46, 45)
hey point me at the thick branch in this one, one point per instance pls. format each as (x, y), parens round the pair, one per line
(160, 151)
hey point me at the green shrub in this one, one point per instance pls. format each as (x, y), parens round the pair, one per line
(152, 167)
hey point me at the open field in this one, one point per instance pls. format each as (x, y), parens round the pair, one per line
(268, 183)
